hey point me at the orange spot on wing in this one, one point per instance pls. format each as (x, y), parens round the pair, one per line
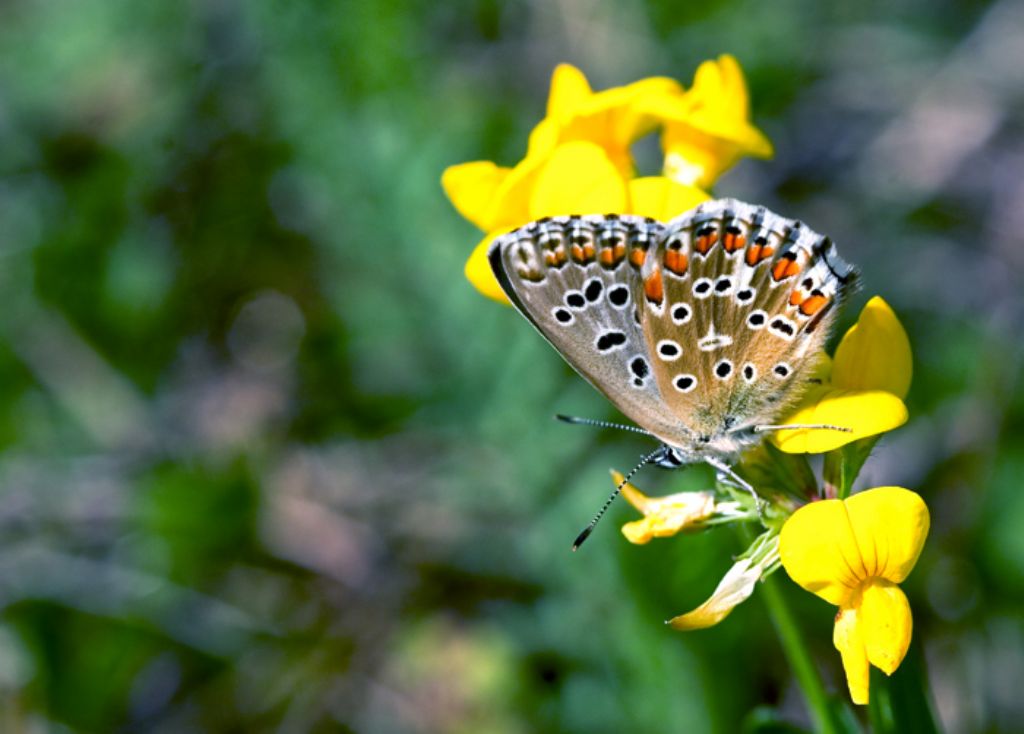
(812, 305)
(637, 257)
(732, 242)
(785, 268)
(620, 251)
(795, 298)
(577, 253)
(654, 288)
(759, 253)
(676, 261)
(706, 242)
(588, 251)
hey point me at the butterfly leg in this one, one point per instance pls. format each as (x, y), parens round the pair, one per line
(736, 480)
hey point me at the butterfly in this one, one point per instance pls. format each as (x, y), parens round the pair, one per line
(702, 330)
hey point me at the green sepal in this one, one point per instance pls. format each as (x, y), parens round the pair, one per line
(843, 465)
(775, 472)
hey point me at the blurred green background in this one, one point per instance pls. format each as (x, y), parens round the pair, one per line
(269, 464)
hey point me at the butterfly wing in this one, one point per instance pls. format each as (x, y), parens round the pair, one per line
(738, 302)
(707, 325)
(578, 281)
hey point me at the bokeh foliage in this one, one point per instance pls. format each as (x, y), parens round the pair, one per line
(268, 462)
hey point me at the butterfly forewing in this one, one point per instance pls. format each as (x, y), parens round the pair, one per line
(577, 279)
(694, 328)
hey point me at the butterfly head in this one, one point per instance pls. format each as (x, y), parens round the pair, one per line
(723, 441)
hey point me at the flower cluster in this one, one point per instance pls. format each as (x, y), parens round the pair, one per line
(851, 550)
(578, 158)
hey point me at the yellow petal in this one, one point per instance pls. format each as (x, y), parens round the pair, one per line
(890, 525)
(638, 532)
(722, 108)
(569, 91)
(578, 178)
(885, 624)
(722, 80)
(819, 551)
(664, 516)
(875, 353)
(510, 205)
(662, 198)
(544, 138)
(707, 128)
(478, 271)
(822, 370)
(694, 156)
(865, 413)
(735, 587)
(846, 636)
(616, 118)
(471, 187)
(612, 118)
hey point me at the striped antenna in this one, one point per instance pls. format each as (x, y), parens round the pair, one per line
(607, 503)
(576, 421)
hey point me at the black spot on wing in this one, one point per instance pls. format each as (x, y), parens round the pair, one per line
(610, 340)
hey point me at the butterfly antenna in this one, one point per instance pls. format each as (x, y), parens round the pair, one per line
(577, 421)
(611, 498)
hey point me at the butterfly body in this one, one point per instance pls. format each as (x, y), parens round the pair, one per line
(700, 330)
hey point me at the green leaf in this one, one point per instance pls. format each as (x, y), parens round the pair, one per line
(899, 703)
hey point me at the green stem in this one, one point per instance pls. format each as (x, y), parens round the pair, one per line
(799, 657)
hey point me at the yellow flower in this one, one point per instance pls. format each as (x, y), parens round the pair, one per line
(612, 119)
(853, 553)
(578, 159)
(662, 198)
(870, 376)
(735, 587)
(574, 178)
(707, 128)
(665, 516)
(577, 178)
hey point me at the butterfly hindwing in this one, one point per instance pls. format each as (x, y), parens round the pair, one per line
(748, 299)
